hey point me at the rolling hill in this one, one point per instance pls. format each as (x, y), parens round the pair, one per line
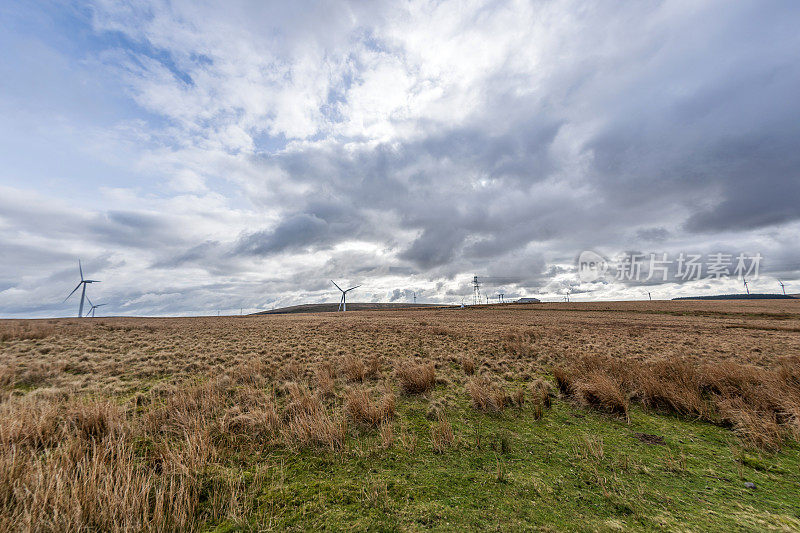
(333, 307)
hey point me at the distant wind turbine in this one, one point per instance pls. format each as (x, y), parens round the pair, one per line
(782, 287)
(83, 283)
(343, 301)
(745, 286)
(91, 311)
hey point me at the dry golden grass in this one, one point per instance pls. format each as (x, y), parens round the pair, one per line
(486, 395)
(130, 410)
(541, 391)
(416, 378)
(307, 421)
(326, 379)
(761, 404)
(362, 409)
(354, 368)
(442, 436)
(468, 365)
(26, 330)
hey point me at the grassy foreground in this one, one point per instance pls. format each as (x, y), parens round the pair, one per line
(601, 417)
(573, 469)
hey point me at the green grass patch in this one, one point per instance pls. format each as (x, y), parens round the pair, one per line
(574, 469)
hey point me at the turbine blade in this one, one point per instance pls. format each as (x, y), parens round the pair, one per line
(80, 268)
(101, 305)
(73, 291)
(88, 313)
(351, 288)
(90, 302)
(91, 281)
(338, 287)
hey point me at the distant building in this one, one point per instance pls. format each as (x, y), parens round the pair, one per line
(528, 301)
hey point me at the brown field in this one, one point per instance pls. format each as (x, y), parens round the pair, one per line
(131, 409)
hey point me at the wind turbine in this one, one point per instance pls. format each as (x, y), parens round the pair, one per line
(83, 282)
(343, 301)
(745, 286)
(91, 311)
(782, 287)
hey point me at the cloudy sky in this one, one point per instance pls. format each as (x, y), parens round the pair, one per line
(204, 156)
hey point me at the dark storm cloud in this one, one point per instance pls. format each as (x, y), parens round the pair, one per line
(134, 229)
(27, 257)
(322, 224)
(436, 246)
(298, 231)
(195, 254)
(427, 186)
(652, 234)
(760, 189)
(722, 150)
(114, 227)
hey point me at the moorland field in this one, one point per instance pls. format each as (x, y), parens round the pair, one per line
(570, 416)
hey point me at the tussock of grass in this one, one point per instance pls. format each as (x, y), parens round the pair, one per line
(468, 365)
(541, 391)
(486, 395)
(442, 436)
(669, 386)
(40, 425)
(354, 369)
(416, 378)
(601, 391)
(96, 484)
(362, 409)
(308, 422)
(760, 404)
(325, 379)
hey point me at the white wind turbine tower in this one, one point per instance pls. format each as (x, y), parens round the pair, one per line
(745, 286)
(91, 311)
(783, 287)
(343, 301)
(83, 282)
